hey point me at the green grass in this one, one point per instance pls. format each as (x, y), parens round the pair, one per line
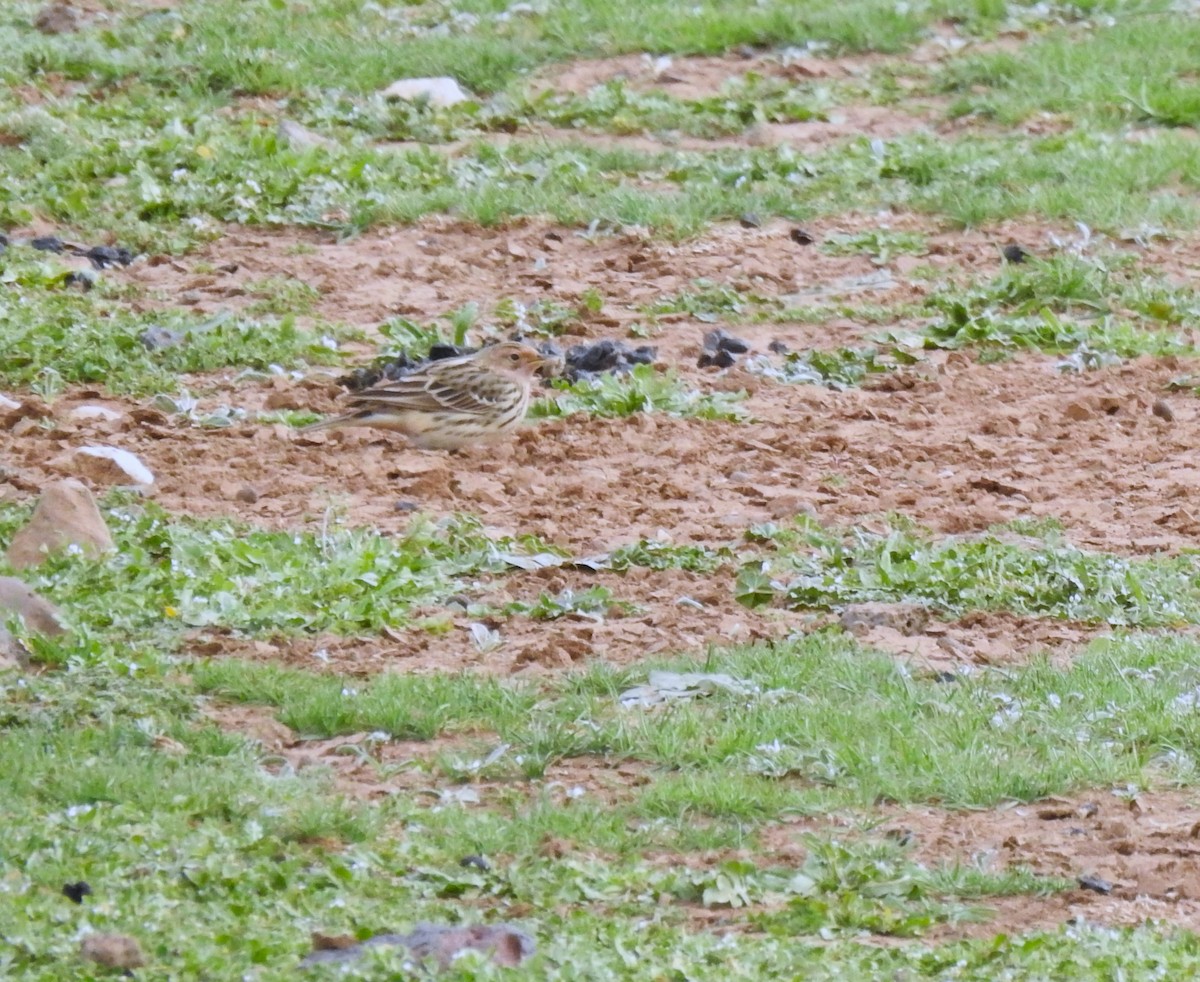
(1139, 70)
(168, 577)
(55, 336)
(828, 726)
(839, 368)
(260, 48)
(817, 567)
(642, 390)
(218, 865)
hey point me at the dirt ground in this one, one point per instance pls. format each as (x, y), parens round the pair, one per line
(955, 443)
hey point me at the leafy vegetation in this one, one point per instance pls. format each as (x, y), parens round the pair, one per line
(54, 335)
(816, 725)
(818, 567)
(641, 390)
(837, 369)
(170, 576)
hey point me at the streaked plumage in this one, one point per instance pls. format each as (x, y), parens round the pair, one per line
(453, 402)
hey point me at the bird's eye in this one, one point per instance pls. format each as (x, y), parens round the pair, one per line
(514, 357)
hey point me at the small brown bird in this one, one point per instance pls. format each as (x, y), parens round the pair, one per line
(453, 402)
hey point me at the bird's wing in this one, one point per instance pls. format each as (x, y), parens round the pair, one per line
(432, 393)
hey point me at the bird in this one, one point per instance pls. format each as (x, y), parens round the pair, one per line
(452, 402)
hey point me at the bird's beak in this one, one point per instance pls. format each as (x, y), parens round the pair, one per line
(552, 364)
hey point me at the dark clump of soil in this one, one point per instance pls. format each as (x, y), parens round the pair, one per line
(583, 361)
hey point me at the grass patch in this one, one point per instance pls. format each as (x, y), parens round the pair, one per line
(1089, 306)
(171, 576)
(1131, 70)
(882, 245)
(840, 368)
(818, 725)
(641, 390)
(54, 336)
(818, 567)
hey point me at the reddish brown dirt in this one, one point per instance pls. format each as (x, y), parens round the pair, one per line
(1145, 848)
(958, 445)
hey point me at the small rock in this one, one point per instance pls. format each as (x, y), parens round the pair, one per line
(1013, 253)
(777, 347)
(285, 399)
(66, 514)
(159, 338)
(81, 279)
(442, 91)
(246, 495)
(300, 137)
(586, 360)
(475, 862)
(103, 413)
(1162, 409)
(6, 403)
(112, 951)
(1055, 813)
(908, 619)
(107, 466)
(750, 220)
(57, 18)
(38, 614)
(47, 243)
(507, 945)
(719, 340)
(800, 236)
(719, 359)
(1078, 412)
(104, 256)
(1095, 884)
(332, 942)
(75, 892)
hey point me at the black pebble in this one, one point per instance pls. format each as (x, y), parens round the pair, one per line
(586, 360)
(403, 505)
(750, 220)
(47, 243)
(478, 862)
(1095, 884)
(85, 281)
(104, 256)
(721, 359)
(777, 348)
(75, 892)
(800, 236)
(1015, 254)
(718, 340)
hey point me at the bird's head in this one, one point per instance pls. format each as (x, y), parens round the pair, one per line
(514, 359)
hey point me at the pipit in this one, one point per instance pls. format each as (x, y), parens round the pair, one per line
(453, 402)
